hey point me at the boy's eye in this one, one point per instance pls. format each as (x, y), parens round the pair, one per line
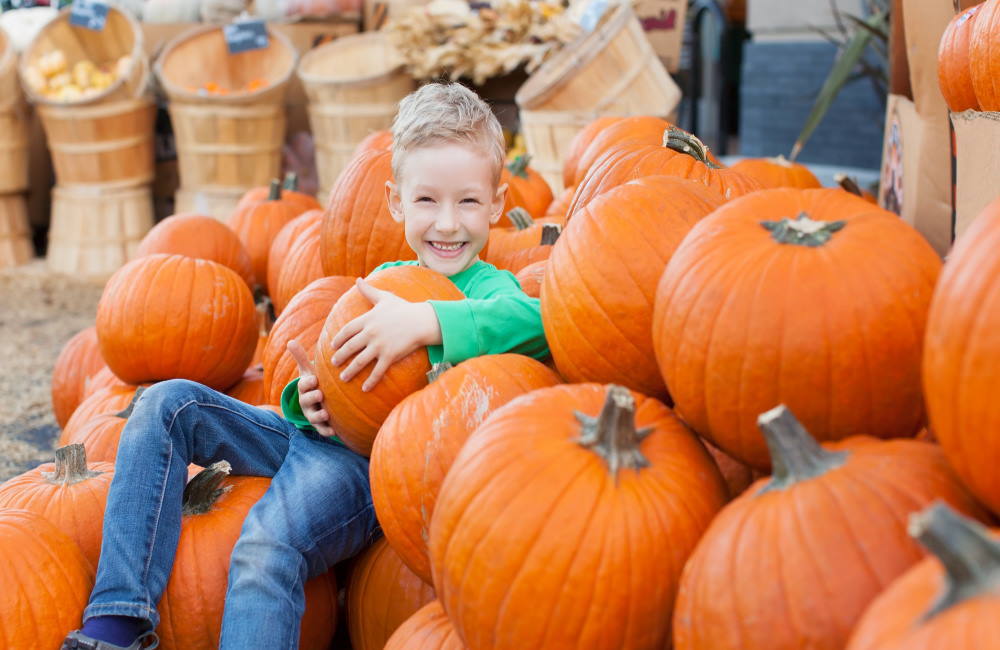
(475, 201)
(424, 198)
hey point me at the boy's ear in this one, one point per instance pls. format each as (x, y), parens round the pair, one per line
(394, 200)
(499, 199)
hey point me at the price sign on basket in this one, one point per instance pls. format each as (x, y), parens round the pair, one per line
(245, 35)
(90, 14)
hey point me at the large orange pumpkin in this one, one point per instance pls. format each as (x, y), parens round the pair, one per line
(984, 55)
(78, 360)
(961, 352)
(628, 131)
(759, 306)
(578, 145)
(421, 437)
(202, 237)
(100, 433)
(577, 504)
(281, 247)
(46, 582)
(560, 206)
(289, 194)
(954, 66)
(428, 629)
(355, 415)
(200, 323)
(773, 173)
(374, 141)
(258, 226)
(946, 602)
(250, 388)
(70, 493)
(215, 505)
(382, 594)
(358, 233)
(599, 289)
(303, 265)
(103, 378)
(301, 320)
(794, 561)
(104, 402)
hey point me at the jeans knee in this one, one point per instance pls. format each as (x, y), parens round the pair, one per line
(158, 406)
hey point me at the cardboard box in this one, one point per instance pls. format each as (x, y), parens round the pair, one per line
(976, 165)
(663, 22)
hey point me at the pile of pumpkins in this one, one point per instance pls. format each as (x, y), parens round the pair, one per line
(767, 421)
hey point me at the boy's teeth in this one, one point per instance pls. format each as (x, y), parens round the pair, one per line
(447, 247)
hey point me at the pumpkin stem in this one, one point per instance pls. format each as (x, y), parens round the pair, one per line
(201, 492)
(848, 184)
(265, 315)
(291, 181)
(519, 166)
(520, 218)
(71, 466)
(970, 556)
(781, 160)
(127, 412)
(802, 231)
(795, 454)
(437, 370)
(274, 192)
(612, 434)
(681, 141)
(550, 233)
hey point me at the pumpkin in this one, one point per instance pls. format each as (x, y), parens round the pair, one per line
(421, 437)
(428, 629)
(250, 389)
(358, 233)
(949, 601)
(215, 505)
(535, 193)
(848, 184)
(559, 208)
(624, 132)
(558, 507)
(382, 594)
(46, 580)
(78, 360)
(960, 357)
(103, 378)
(289, 194)
(793, 562)
(530, 277)
(100, 433)
(281, 247)
(759, 305)
(301, 320)
(106, 401)
(355, 415)
(70, 493)
(984, 55)
(598, 293)
(524, 243)
(954, 67)
(681, 154)
(737, 475)
(200, 326)
(258, 225)
(303, 265)
(579, 144)
(777, 172)
(374, 141)
(202, 237)
(264, 323)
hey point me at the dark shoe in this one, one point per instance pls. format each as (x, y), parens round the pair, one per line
(76, 640)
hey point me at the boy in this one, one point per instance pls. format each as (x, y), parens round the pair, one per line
(447, 157)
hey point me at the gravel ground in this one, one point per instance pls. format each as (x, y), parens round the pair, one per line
(39, 312)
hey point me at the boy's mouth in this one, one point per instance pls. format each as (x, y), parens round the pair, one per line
(447, 249)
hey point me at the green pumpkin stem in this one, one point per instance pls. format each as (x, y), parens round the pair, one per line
(521, 218)
(519, 166)
(681, 141)
(802, 231)
(437, 370)
(795, 454)
(291, 181)
(127, 412)
(202, 491)
(969, 555)
(612, 434)
(274, 192)
(71, 466)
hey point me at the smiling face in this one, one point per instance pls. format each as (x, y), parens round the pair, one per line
(446, 199)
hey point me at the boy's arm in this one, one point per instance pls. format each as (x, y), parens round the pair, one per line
(496, 317)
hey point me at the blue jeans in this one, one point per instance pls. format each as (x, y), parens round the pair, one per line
(317, 511)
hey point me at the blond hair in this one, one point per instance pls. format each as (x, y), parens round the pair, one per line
(446, 112)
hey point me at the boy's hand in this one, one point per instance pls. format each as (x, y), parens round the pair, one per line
(310, 396)
(392, 329)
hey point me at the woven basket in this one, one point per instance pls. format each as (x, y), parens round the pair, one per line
(13, 123)
(15, 234)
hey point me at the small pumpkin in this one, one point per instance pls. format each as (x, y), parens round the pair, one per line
(382, 594)
(428, 629)
(535, 193)
(289, 194)
(531, 276)
(258, 225)
(78, 360)
(100, 434)
(200, 326)
(526, 242)
(281, 247)
(954, 66)
(202, 237)
(355, 415)
(106, 401)
(984, 56)
(303, 265)
(777, 172)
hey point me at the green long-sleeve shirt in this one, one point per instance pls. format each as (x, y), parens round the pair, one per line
(495, 317)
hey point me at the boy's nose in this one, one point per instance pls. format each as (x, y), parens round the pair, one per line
(447, 221)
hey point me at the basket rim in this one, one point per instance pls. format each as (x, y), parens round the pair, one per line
(559, 70)
(137, 52)
(341, 43)
(175, 92)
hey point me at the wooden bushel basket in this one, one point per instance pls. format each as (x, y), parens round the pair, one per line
(354, 85)
(234, 140)
(612, 70)
(13, 124)
(15, 235)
